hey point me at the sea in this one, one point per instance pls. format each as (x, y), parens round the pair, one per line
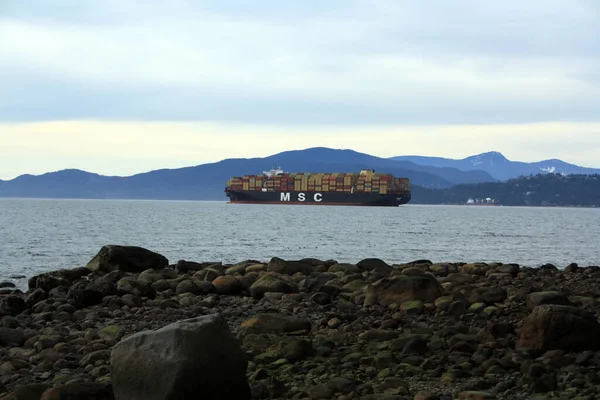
(40, 235)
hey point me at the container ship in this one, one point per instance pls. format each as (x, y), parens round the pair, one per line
(347, 189)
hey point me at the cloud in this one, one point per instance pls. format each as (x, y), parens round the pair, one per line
(359, 62)
(125, 148)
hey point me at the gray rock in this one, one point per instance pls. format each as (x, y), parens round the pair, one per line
(10, 336)
(12, 305)
(63, 277)
(189, 359)
(106, 284)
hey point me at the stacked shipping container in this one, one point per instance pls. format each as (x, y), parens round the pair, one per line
(365, 182)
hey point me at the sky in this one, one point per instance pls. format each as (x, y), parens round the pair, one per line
(119, 87)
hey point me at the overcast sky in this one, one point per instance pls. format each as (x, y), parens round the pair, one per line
(121, 86)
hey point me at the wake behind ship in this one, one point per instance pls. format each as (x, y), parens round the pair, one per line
(349, 189)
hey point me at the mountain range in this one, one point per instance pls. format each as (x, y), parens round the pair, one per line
(207, 181)
(498, 166)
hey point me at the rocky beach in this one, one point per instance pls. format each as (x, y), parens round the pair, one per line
(131, 323)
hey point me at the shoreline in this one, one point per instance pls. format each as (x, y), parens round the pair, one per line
(412, 203)
(373, 329)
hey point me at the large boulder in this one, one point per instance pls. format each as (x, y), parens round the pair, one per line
(402, 288)
(189, 359)
(127, 259)
(567, 328)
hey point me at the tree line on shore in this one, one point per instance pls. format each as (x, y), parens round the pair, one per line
(532, 190)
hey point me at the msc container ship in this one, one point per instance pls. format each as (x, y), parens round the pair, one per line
(348, 189)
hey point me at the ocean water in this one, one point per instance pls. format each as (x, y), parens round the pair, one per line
(38, 235)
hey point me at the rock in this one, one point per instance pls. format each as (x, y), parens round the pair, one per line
(50, 280)
(183, 266)
(106, 284)
(83, 298)
(208, 274)
(227, 285)
(402, 288)
(85, 391)
(561, 327)
(130, 285)
(344, 268)
(475, 395)
(35, 296)
(12, 305)
(272, 282)
(289, 267)
(294, 349)
(423, 395)
(488, 295)
(153, 275)
(474, 269)
(320, 298)
(273, 323)
(95, 356)
(373, 264)
(28, 392)
(238, 269)
(126, 259)
(7, 285)
(412, 307)
(539, 298)
(186, 286)
(111, 333)
(11, 336)
(9, 322)
(256, 268)
(191, 358)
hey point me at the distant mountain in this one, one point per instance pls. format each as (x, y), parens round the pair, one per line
(498, 166)
(207, 181)
(537, 190)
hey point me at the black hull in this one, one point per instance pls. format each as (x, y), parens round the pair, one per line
(319, 198)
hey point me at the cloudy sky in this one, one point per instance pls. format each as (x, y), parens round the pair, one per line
(124, 86)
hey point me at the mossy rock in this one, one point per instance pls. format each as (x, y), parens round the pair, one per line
(442, 303)
(111, 333)
(476, 308)
(488, 311)
(412, 307)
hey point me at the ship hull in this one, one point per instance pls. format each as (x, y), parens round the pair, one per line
(318, 198)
